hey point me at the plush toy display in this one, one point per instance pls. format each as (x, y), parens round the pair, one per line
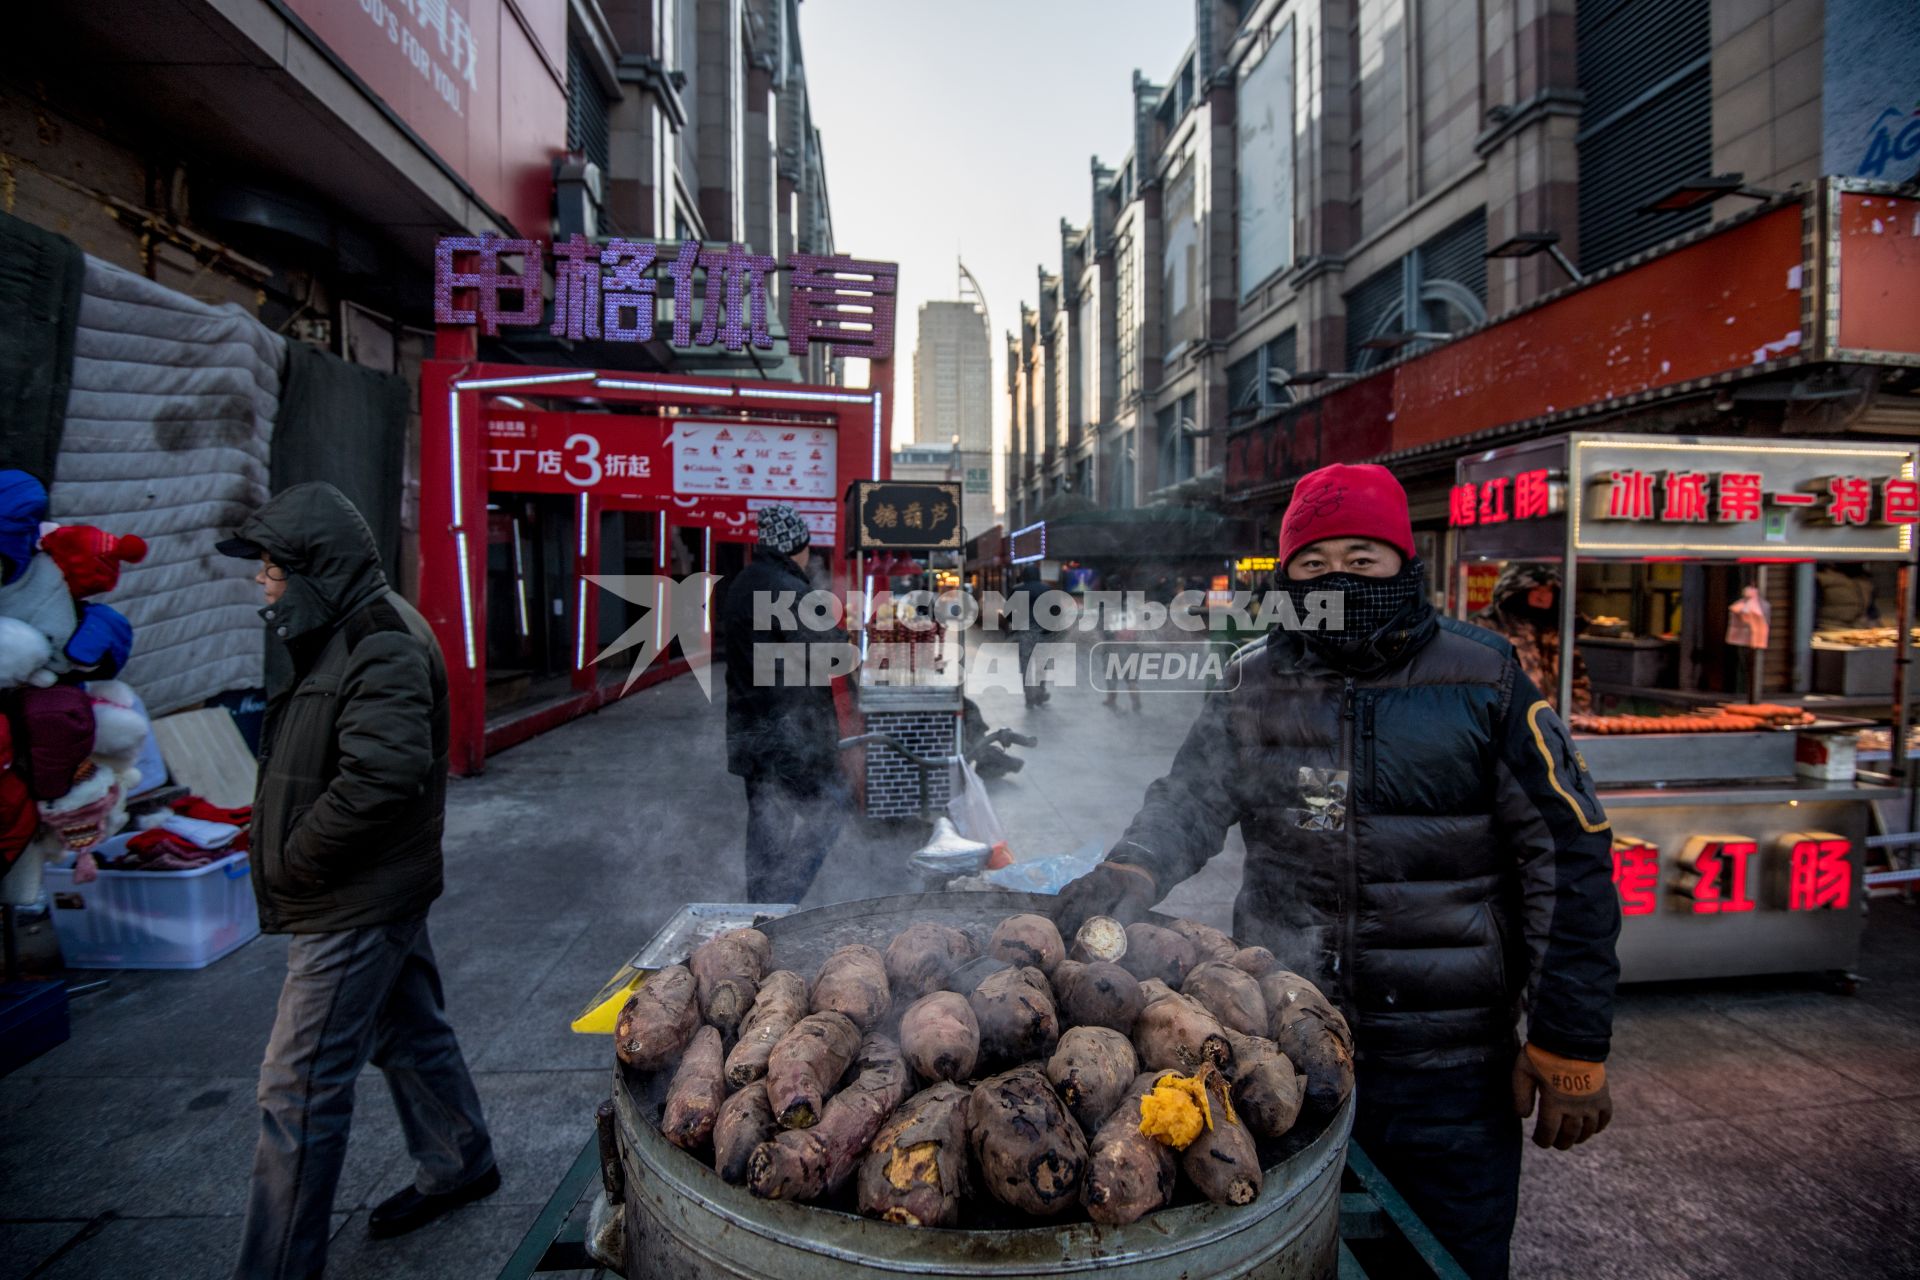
(67, 750)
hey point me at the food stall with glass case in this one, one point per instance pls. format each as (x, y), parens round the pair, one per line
(1737, 848)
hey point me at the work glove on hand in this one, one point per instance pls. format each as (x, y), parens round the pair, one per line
(1115, 889)
(1574, 1102)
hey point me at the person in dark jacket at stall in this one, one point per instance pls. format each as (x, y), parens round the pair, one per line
(347, 819)
(1423, 840)
(1525, 609)
(783, 735)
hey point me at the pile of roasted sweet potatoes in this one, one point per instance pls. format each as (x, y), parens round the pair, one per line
(948, 1073)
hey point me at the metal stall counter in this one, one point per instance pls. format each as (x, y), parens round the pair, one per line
(1740, 829)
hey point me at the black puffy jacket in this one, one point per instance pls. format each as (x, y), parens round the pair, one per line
(352, 792)
(779, 723)
(1423, 840)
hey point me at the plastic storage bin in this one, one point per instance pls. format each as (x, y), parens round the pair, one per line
(154, 919)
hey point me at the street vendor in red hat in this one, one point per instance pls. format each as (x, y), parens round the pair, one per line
(1422, 841)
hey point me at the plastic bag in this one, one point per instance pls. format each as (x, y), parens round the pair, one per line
(606, 1238)
(1048, 875)
(973, 815)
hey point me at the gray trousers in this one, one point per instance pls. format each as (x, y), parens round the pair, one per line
(351, 997)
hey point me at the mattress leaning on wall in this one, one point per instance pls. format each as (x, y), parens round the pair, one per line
(168, 434)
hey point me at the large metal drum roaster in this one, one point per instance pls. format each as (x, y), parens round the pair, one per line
(684, 1223)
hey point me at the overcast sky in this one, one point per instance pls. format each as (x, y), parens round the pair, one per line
(965, 130)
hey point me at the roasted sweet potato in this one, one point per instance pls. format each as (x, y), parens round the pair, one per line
(1267, 1091)
(1097, 994)
(1152, 989)
(781, 1002)
(1208, 942)
(1091, 1070)
(1153, 952)
(699, 1087)
(940, 1037)
(1028, 940)
(1174, 1033)
(967, 977)
(1229, 994)
(1129, 1175)
(1031, 1154)
(658, 1020)
(1017, 1019)
(1313, 1035)
(727, 971)
(922, 957)
(853, 981)
(1099, 938)
(1222, 1163)
(805, 1164)
(916, 1171)
(806, 1064)
(746, 1120)
(1257, 961)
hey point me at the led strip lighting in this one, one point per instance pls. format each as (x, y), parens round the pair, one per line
(668, 388)
(1576, 497)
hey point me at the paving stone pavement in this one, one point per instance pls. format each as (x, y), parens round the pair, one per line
(1764, 1128)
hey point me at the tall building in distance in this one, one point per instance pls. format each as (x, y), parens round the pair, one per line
(953, 395)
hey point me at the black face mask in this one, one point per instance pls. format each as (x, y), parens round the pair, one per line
(1381, 615)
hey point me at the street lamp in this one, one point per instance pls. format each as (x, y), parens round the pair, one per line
(1526, 244)
(1695, 192)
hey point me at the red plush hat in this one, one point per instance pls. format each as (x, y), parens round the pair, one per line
(90, 558)
(1342, 501)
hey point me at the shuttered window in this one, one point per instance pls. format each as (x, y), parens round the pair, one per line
(1647, 121)
(1459, 254)
(587, 131)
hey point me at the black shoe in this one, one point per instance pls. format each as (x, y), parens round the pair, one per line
(410, 1210)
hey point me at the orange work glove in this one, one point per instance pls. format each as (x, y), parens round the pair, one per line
(1115, 889)
(1574, 1102)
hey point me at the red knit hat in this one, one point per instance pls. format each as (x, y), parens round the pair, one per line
(90, 558)
(1343, 501)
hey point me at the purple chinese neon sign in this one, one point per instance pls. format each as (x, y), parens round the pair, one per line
(610, 291)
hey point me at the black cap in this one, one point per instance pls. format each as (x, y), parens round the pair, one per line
(240, 548)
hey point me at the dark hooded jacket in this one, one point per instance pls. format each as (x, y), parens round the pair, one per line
(351, 799)
(1421, 838)
(780, 725)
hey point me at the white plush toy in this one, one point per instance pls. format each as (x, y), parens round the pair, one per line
(24, 652)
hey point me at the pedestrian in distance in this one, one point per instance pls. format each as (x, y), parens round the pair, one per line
(1028, 633)
(347, 821)
(1118, 625)
(783, 735)
(1422, 840)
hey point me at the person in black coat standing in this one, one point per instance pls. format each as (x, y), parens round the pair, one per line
(783, 736)
(1424, 841)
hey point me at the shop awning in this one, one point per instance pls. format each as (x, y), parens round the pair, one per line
(1826, 277)
(1145, 533)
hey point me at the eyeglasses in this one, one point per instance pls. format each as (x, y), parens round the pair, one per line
(277, 573)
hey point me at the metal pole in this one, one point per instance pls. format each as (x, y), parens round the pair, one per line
(1902, 690)
(1569, 566)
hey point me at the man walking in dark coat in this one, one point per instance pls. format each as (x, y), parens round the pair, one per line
(1422, 839)
(783, 736)
(347, 818)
